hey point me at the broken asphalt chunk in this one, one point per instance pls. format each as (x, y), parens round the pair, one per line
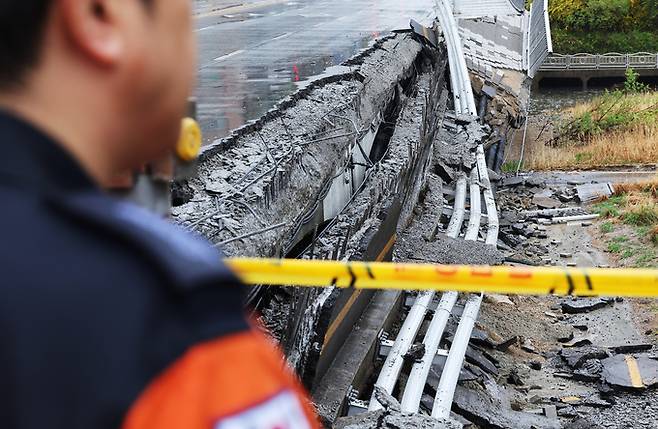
(578, 342)
(481, 338)
(545, 202)
(479, 359)
(513, 181)
(632, 348)
(629, 372)
(584, 305)
(586, 376)
(503, 346)
(485, 409)
(576, 358)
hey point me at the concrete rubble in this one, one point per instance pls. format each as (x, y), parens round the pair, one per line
(391, 417)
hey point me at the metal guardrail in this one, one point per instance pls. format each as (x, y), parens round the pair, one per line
(609, 61)
(539, 43)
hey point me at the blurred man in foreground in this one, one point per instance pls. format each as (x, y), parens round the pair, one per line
(110, 317)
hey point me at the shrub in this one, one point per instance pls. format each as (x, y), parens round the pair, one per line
(632, 85)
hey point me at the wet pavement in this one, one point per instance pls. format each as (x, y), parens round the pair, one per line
(253, 54)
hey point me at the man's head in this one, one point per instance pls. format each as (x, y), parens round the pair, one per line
(108, 78)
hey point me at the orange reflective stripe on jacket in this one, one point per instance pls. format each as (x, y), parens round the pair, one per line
(219, 380)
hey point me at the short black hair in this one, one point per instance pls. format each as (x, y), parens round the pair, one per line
(22, 26)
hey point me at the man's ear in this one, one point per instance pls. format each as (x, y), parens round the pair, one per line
(94, 27)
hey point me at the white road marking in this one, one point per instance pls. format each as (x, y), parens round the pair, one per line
(232, 54)
(283, 36)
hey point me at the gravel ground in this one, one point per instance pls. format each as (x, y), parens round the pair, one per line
(541, 321)
(630, 411)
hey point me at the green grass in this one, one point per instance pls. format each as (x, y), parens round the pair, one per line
(510, 167)
(614, 247)
(647, 259)
(645, 214)
(610, 207)
(610, 111)
(607, 227)
(628, 253)
(617, 244)
(637, 208)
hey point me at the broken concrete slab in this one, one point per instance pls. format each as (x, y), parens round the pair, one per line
(584, 305)
(497, 299)
(629, 372)
(550, 411)
(576, 358)
(567, 412)
(594, 191)
(545, 202)
(382, 419)
(387, 400)
(513, 181)
(487, 410)
(418, 421)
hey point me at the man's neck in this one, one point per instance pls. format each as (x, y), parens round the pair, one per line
(70, 130)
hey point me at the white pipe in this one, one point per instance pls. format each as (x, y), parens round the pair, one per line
(445, 393)
(413, 391)
(566, 219)
(393, 364)
(452, 62)
(452, 41)
(476, 208)
(493, 224)
(451, 31)
(457, 218)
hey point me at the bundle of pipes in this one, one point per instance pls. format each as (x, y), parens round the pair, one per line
(479, 185)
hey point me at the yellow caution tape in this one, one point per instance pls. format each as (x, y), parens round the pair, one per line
(473, 279)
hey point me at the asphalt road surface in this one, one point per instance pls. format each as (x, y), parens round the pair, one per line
(253, 54)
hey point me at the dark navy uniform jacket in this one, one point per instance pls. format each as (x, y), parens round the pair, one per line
(97, 296)
(111, 317)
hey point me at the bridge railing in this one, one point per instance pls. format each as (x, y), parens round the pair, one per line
(613, 60)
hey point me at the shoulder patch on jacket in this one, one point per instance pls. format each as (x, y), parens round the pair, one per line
(282, 411)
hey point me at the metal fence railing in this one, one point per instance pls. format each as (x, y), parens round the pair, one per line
(610, 61)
